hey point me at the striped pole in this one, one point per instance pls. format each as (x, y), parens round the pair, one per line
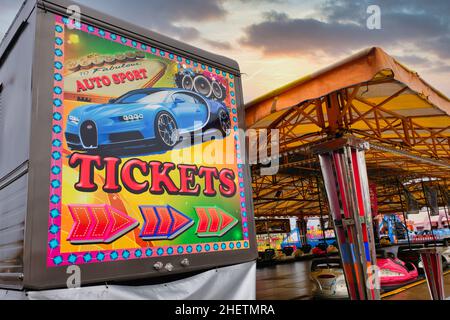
(432, 263)
(345, 176)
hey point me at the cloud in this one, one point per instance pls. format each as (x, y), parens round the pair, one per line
(339, 28)
(416, 32)
(300, 34)
(440, 45)
(164, 16)
(263, 1)
(440, 68)
(425, 24)
(279, 34)
(162, 10)
(413, 60)
(355, 10)
(169, 17)
(222, 45)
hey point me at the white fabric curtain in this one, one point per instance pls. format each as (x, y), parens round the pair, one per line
(231, 283)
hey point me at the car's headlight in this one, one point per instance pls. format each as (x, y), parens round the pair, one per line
(133, 117)
(74, 120)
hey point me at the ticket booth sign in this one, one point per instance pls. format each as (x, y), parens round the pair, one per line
(122, 185)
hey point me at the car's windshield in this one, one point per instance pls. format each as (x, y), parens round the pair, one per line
(143, 97)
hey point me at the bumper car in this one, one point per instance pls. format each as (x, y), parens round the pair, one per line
(306, 248)
(393, 271)
(328, 279)
(288, 250)
(445, 252)
(266, 258)
(282, 257)
(410, 254)
(299, 253)
(332, 250)
(320, 250)
(385, 241)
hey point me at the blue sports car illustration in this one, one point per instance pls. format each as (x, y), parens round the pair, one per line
(158, 117)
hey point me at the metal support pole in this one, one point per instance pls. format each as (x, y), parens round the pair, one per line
(322, 223)
(298, 233)
(428, 206)
(345, 175)
(302, 231)
(432, 263)
(299, 228)
(268, 234)
(405, 216)
(444, 201)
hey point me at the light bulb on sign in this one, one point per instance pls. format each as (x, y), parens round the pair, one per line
(74, 39)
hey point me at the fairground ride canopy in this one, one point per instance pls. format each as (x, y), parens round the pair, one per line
(370, 96)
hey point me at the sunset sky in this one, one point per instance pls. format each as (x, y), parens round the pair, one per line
(276, 42)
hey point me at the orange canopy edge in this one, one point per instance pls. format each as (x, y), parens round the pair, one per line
(360, 68)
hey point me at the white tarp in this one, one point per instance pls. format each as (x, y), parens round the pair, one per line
(230, 283)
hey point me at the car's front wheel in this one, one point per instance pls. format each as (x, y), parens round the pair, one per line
(166, 130)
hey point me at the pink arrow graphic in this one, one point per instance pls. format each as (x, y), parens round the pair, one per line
(95, 224)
